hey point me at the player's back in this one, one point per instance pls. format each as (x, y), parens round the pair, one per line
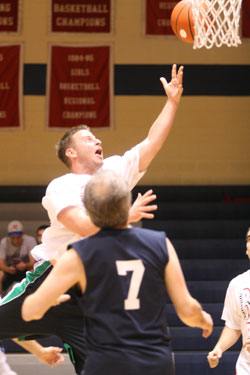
(125, 301)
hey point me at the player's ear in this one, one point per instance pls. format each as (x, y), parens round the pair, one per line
(70, 153)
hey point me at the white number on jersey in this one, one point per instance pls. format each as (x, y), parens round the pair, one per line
(137, 268)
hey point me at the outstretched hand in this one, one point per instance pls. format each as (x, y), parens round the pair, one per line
(140, 208)
(174, 88)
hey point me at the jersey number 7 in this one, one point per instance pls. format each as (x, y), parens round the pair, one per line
(137, 268)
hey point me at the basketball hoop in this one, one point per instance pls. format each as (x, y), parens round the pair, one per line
(216, 22)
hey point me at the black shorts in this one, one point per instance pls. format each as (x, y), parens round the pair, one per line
(9, 279)
(65, 321)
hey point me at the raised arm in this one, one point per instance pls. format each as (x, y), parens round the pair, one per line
(162, 125)
(187, 308)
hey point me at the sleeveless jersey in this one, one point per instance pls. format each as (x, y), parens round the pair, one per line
(124, 302)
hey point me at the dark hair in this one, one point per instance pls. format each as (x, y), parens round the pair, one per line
(65, 142)
(41, 227)
(107, 200)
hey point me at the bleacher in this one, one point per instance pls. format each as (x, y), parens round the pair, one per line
(207, 226)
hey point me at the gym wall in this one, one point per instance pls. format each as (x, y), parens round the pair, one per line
(209, 143)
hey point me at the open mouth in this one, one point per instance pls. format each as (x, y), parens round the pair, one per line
(99, 152)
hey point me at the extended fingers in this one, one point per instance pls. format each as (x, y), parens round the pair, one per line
(152, 207)
(149, 199)
(180, 75)
(173, 71)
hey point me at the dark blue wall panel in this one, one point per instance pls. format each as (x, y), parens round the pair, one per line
(221, 80)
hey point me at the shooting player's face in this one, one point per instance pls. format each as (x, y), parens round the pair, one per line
(88, 149)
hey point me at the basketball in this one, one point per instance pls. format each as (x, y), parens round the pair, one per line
(182, 22)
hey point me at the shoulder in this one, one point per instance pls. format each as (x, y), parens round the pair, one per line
(129, 154)
(59, 181)
(151, 233)
(239, 280)
(68, 182)
(3, 241)
(29, 240)
(111, 161)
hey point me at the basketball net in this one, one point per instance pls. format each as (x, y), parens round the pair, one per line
(216, 22)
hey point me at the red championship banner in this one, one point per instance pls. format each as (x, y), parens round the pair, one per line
(9, 16)
(245, 24)
(157, 17)
(10, 86)
(81, 16)
(79, 86)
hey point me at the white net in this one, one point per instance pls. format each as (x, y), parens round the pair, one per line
(216, 22)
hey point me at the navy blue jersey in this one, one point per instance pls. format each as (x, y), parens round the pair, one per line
(124, 302)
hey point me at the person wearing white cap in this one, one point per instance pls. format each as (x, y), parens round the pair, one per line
(15, 257)
(14, 261)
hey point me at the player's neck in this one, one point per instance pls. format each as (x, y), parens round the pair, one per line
(123, 226)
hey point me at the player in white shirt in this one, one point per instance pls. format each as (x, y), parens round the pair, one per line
(82, 152)
(66, 192)
(236, 313)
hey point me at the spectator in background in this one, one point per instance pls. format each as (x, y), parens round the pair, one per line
(39, 233)
(14, 261)
(15, 257)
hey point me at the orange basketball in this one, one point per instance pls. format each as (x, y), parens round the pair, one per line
(182, 22)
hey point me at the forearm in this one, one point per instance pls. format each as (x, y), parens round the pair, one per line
(227, 339)
(33, 309)
(67, 272)
(160, 129)
(157, 134)
(4, 267)
(31, 346)
(49, 355)
(192, 313)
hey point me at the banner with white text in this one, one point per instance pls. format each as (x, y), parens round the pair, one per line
(81, 16)
(245, 22)
(10, 16)
(11, 86)
(80, 86)
(157, 17)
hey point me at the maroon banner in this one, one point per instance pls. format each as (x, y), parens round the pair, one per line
(157, 17)
(9, 18)
(79, 86)
(81, 16)
(245, 14)
(10, 86)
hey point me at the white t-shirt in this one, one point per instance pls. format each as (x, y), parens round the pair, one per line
(9, 252)
(68, 190)
(236, 314)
